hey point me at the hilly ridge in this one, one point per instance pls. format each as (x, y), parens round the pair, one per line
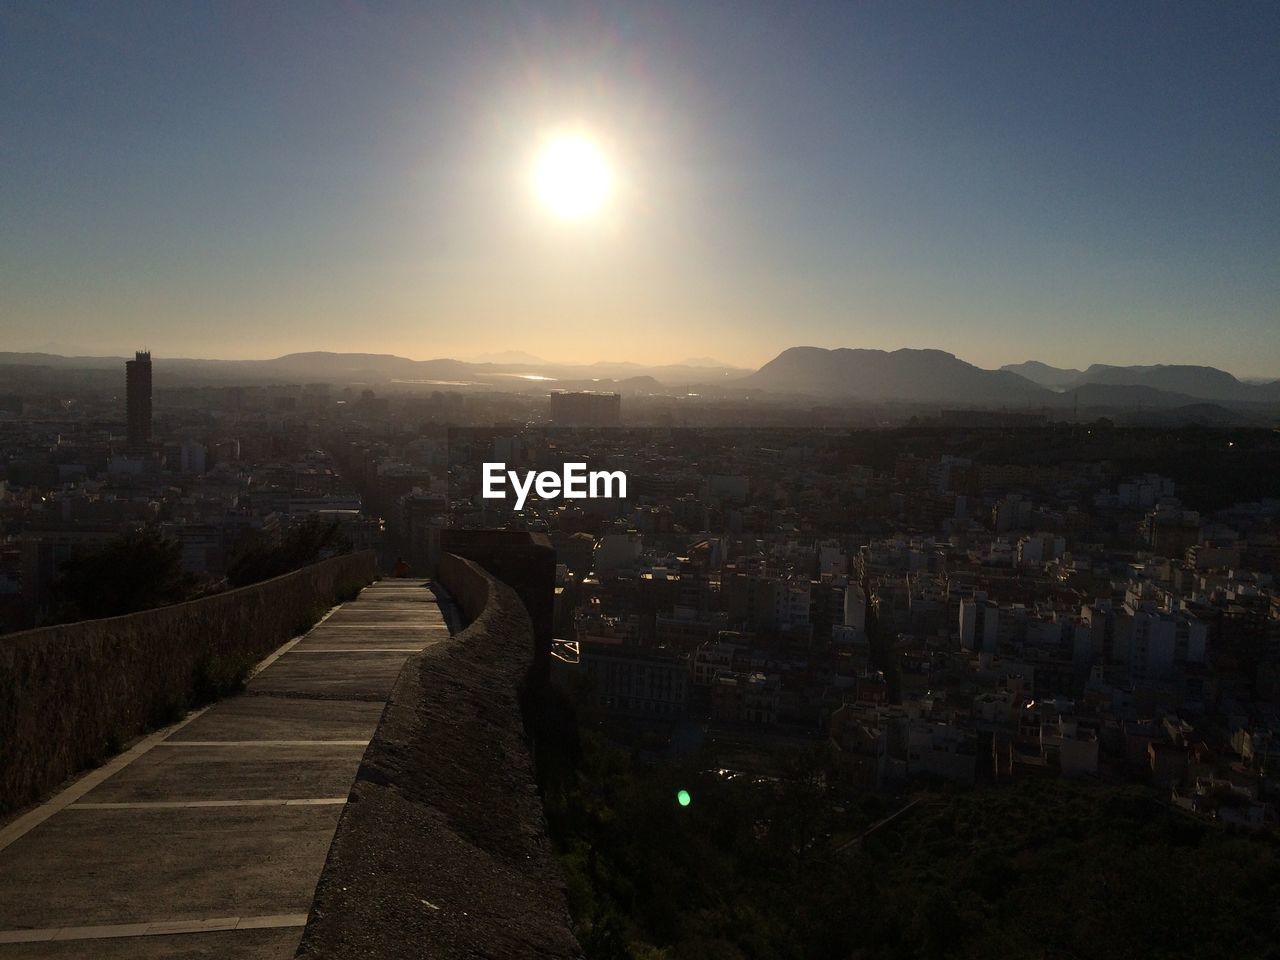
(1189, 380)
(865, 375)
(906, 375)
(1043, 373)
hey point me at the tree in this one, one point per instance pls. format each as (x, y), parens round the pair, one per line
(305, 544)
(135, 572)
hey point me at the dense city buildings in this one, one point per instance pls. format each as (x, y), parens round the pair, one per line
(824, 615)
(585, 408)
(967, 600)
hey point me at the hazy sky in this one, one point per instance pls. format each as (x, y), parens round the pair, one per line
(1065, 181)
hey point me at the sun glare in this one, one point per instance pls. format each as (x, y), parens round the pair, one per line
(571, 177)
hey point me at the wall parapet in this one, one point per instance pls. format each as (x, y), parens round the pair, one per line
(526, 562)
(442, 849)
(73, 694)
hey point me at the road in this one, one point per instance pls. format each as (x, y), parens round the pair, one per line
(206, 839)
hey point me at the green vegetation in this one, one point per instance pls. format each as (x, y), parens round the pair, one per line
(219, 676)
(301, 546)
(134, 572)
(1038, 869)
(142, 570)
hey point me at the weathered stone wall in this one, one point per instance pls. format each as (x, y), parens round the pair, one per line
(72, 695)
(442, 849)
(468, 590)
(526, 562)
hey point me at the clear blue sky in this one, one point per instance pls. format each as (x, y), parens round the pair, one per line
(1071, 182)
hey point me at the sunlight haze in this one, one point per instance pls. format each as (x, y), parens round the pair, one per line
(261, 180)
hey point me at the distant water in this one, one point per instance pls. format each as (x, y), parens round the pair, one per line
(442, 383)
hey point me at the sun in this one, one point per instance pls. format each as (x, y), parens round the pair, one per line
(572, 177)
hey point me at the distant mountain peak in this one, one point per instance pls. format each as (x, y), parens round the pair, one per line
(508, 356)
(905, 375)
(1186, 380)
(1043, 373)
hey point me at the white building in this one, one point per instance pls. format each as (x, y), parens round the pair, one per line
(712, 658)
(1158, 642)
(855, 607)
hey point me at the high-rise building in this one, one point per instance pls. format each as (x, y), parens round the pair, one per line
(137, 381)
(979, 624)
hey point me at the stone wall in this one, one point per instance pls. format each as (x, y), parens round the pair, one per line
(72, 695)
(526, 562)
(442, 849)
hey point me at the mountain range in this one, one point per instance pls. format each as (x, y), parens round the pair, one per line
(900, 376)
(904, 375)
(933, 376)
(1205, 383)
(519, 371)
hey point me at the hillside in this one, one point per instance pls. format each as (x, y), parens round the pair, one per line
(902, 375)
(1031, 869)
(1043, 374)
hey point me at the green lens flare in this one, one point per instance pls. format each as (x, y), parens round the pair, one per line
(684, 798)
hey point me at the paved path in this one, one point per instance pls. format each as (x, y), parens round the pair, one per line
(207, 838)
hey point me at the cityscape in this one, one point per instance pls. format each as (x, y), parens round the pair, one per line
(909, 604)
(907, 585)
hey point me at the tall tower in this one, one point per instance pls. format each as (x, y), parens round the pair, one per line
(137, 382)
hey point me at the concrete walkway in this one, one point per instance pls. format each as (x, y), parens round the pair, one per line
(206, 839)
